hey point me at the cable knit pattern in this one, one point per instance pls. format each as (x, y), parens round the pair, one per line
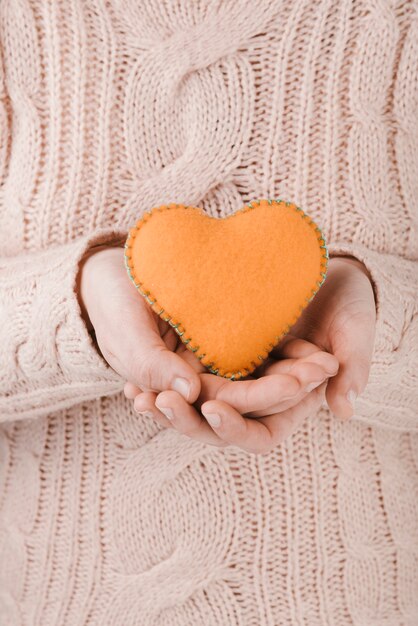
(108, 108)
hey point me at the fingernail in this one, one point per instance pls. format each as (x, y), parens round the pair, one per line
(166, 410)
(213, 419)
(351, 397)
(312, 386)
(144, 413)
(182, 386)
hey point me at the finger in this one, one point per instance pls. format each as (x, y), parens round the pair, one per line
(310, 377)
(272, 394)
(258, 436)
(352, 342)
(268, 397)
(289, 338)
(343, 390)
(168, 334)
(296, 348)
(260, 393)
(246, 433)
(189, 357)
(153, 367)
(186, 419)
(327, 361)
(307, 373)
(144, 405)
(131, 391)
(287, 422)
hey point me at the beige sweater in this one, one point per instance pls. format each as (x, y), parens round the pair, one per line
(108, 108)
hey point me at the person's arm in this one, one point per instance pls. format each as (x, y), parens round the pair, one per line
(48, 359)
(391, 396)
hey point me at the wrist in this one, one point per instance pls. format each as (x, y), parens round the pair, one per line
(351, 260)
(86, 263)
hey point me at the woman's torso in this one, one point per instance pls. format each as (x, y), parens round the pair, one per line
(110, 108)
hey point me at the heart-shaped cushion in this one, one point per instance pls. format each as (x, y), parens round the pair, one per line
(231, 287)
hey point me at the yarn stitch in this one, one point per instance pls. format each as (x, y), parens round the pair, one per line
(107, 108)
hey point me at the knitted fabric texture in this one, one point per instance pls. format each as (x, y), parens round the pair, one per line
(108, 109)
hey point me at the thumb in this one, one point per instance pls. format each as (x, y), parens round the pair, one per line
(352, 342)
(154, 367)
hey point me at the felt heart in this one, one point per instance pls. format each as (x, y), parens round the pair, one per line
(230, 287)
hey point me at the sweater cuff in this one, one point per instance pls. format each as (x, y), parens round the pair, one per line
(391, 396)
(49, 359)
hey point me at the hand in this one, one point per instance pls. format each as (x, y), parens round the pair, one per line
(289, 391)
(133, 339)
(341, 319)
(147, 352)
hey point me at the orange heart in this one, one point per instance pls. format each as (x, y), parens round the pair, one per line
(230, 287)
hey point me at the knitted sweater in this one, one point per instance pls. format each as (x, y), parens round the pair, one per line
(108, 108)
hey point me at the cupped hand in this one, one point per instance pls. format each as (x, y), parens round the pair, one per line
(224, 414)
(341, 319)
(147, 352)
(135, 342)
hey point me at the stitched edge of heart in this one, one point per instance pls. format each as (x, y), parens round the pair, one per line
(179, 328)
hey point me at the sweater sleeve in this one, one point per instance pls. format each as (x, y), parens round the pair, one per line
(48, 360)
(391, 396)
